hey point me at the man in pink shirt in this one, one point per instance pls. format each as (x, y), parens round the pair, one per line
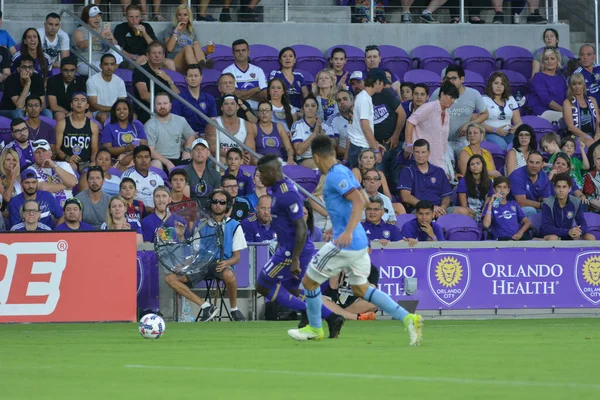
(431, 122)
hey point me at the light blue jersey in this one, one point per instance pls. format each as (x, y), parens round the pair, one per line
(339, 183)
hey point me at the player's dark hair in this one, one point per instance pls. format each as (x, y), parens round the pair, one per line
(421, 143)
(235, 150)
(179, 171)
(449, 90)
(310, 221)
(322, 146)
(563, 176)
(477, 190)
(424, 205)
(141, 148)
(228, 177)
(500, 180)
(455, 68)
(125, 180)
(267, 159)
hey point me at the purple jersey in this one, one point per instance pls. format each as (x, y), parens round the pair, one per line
(286, 207)
(269, 143)
(121, 137)
(149, 226)
(506, 219)
(244, 181)
(25, 155)
(82, 227)
(255, 231)
(382, 230)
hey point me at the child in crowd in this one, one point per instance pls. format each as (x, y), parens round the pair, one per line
(178, 179)
(503, 217)
(135, 208)
(407, 91)
(578, 167)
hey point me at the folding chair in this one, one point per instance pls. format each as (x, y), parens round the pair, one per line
(219, 294)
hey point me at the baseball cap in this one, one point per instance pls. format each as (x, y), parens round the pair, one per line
(357, 75)
(94, 11)
(230, 97)
(73, 200)
(199, 141)
(40, 144)
(29, 174)
(377, 74)
(84, 94)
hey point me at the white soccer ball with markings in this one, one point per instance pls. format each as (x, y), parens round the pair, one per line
(152, 326)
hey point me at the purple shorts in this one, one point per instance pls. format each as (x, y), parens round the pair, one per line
(277, 269)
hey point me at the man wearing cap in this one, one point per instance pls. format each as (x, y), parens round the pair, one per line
(145, 179)
(105, 88)
(227, 86)
(57, 177)
(50, 210)
(94, 200)
(201, 100)
(166, 133)
(250, 80)
(203, 177)
(21, 143)
(361, 131)
(55, 41)
(38, 129)
(61, 88)
(19, 86)
(73, 211)
(77, 136)
(357, 82)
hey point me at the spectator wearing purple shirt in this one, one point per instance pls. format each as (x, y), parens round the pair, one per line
(233, 159)
(30, 215)
(506, 220)
(199, 99)
(38, 129)
(162, 198)
(562, 214)
(123, 134)
(73, 212)
(529, 184)
(376, 228)
(422, 228)
(21, 143)
(422, 180)
(257, 228)
(315, 233)
(293, 80)
(548, 88)
(48, 204)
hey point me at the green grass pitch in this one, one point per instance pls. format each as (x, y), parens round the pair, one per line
(499, 359)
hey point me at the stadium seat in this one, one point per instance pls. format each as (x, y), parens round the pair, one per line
(309, 59)
(127, 76)
(432, 58)
(5, 128)
(401, 219)
(563, 52)
(309, 78)
(222, 57)
(395, 59)
(540, 126)
(265, 57)
(210, 79)
(593, 223)
(248, 168)
(474, 81)
(355, 57)
(536, 225)
(498, 154)
(459, 228)
(475, 58)
(515, 58)
(426, 77)
(303, 176)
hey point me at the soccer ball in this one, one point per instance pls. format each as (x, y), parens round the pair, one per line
(151, 326)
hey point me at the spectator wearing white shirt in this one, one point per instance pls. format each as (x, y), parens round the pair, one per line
(105, 89)
(250, 80)
(338, 122)
(145, 179)
(55, 41)
(503, 111)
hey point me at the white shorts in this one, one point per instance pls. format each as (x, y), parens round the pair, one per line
(331, 260)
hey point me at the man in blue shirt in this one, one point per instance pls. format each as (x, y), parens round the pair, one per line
(241, 207)
(257, 227)
(348, 251)
(562, 214)
(233, 159)
(590, 70)
(201, 100)
(376, 228)
(424, 181)
(50, 210)
(422, 228)
(281, 276)
(529, 185)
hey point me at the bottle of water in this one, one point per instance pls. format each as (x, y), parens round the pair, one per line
(497, 201)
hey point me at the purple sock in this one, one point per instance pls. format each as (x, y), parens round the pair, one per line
(281, 296)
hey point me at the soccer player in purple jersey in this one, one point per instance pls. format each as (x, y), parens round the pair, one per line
(280, 278)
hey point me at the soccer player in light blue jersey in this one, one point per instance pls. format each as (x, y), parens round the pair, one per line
(348, 252)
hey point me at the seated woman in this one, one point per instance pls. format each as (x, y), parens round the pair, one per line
(123, 134)
(283, 112)
(503, 217)
(503, 111)
(270, 137)
(550, 38)
(305, 130)
(324, 90)
(548, 88)
(10, 173)
(524, 142)
(562, 164)
(314, 232)
(580, 111)
(293, 80)
(366, 162)
(117, 220)
(111, 181)
(92, 16)
(180, 41)
(30, 215)
(476, 135)
(337, 63)
(591, 183)
(32, 46)
(474, 188)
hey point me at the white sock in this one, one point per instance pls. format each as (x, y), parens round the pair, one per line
(205, 305)
(234, 309)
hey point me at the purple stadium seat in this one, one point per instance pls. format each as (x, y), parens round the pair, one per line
(309, 58)
(518, 83)
(474, 81)
(160, 172)
(265, 57)
(459, 228)
(115, 171)
(303, 176)
(514, 58)
(46, 119)
(432, 58)
(125, 74)
(593, 223)
(498, 154)
(426, 77)
(210, 78)
(475, 58)
(5, 130)
(540, 126)
(309, 78)
(177, 78)
(404, 218)
(536, 224)
(563, 52)
(355, 57)
(222, 57)
(395, 59)
(55, 71)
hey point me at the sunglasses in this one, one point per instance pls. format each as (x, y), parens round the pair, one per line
(220, 202)
(502, 113)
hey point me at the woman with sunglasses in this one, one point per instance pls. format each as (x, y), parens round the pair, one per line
(503, 111)
(524, 142)
(270, 137)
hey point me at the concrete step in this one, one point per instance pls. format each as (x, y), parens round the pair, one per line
(31, 12)
(576, 36)
(325, 14)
